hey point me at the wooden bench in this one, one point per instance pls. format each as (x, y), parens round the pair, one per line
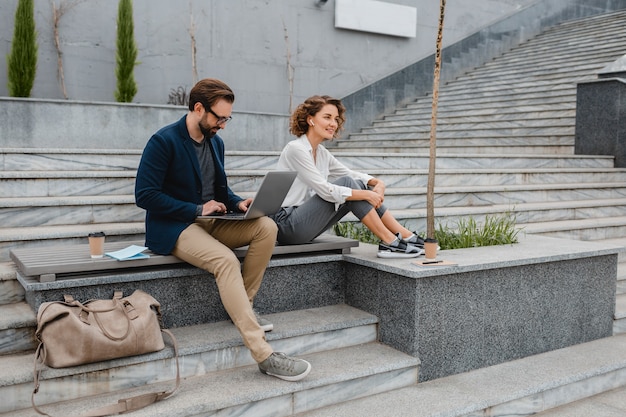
(47, 264)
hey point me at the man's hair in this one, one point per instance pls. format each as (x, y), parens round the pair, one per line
(298, 124)
(208, 91)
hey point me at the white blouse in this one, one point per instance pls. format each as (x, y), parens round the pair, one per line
(314, 176)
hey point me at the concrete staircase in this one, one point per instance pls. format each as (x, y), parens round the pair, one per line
(505, 143)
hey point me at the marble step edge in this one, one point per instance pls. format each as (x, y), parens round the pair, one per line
(521, 387)
(276, 154)
(574, 224)
(554, 55)
(499, 75)
(487, 133)
(546, 75)
(459, 117)
(497, 209)
(33, 202)
(423, 106)
(78, 151)
(17, 315)
(336, 375)
(78, 231)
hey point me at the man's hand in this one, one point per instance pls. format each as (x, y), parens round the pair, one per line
(213, 207)
(243, 205)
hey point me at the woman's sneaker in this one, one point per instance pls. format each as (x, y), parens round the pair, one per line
(398, 249)
(415, 240)
(284, 367)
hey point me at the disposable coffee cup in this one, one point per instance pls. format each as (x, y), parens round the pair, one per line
(96, 244)
(430, 249)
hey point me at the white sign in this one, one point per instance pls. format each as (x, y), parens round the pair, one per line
(377, 17)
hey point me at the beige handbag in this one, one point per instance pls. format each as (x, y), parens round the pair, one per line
(72, 333)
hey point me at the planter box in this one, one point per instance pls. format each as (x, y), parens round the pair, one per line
(497, 304)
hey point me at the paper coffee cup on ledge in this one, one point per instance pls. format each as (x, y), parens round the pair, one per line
(430, 249)
(96, 244)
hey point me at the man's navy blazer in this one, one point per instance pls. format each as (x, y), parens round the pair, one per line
(169, 184)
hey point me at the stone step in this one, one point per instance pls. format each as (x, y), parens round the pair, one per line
(10, 290)
(484, 177)
(267, 160)
(467, 196)
(36, 159)
(516, 74)
(17, 328)
(619, 325)
(366, 161)
(337, 375)
(213, 359)
(551, 54)
(74, 187)
(491, 146)
(524, 213)
(606, 404)
(450, 116)
(91, 211)
(423, 107)
(521, 387)
(77, 210)
(479, 130)
(498, 104)
(467, 123)
(61, 182)
(33, 237)
(584, 229)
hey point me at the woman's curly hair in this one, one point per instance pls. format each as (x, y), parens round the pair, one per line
(298, 124)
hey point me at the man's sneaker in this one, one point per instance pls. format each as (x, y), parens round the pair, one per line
(266, 325)
(284, 367)
(398, 249)
(415, 240)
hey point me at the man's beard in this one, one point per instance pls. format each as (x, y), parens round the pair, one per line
(206, 130)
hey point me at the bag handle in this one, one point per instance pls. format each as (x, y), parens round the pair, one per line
(123, 405)
(126, 307)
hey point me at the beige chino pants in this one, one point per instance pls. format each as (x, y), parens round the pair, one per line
(208, 244)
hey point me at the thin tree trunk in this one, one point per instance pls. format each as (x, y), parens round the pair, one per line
(430, 190)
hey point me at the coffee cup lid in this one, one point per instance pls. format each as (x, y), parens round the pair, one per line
(96, 234)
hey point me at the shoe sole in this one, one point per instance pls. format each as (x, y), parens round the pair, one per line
(293, 378)
(397, 255)
(267, 328)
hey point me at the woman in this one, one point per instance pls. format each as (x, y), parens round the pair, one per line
(313, 204)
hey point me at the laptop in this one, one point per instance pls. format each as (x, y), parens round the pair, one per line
(268, 199)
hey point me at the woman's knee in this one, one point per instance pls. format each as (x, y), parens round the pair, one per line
(349, 182)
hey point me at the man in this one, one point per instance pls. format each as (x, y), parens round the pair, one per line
(180, 177)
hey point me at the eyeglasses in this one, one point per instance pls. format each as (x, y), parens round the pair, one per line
(220, 119)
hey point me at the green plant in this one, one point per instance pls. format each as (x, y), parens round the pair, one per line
(22, 60)
(355, 231)
(467, 233)
(126, 55)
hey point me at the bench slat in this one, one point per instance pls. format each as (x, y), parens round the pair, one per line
(49, 262)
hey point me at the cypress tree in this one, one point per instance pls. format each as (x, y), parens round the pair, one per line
(126, 54)
(22, 60)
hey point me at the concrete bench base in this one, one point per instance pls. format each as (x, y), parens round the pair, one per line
(189, 295)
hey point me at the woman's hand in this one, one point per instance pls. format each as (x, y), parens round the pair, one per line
(378, 187)
(371, 197)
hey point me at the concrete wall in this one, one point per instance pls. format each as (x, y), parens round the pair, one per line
(243, 42)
